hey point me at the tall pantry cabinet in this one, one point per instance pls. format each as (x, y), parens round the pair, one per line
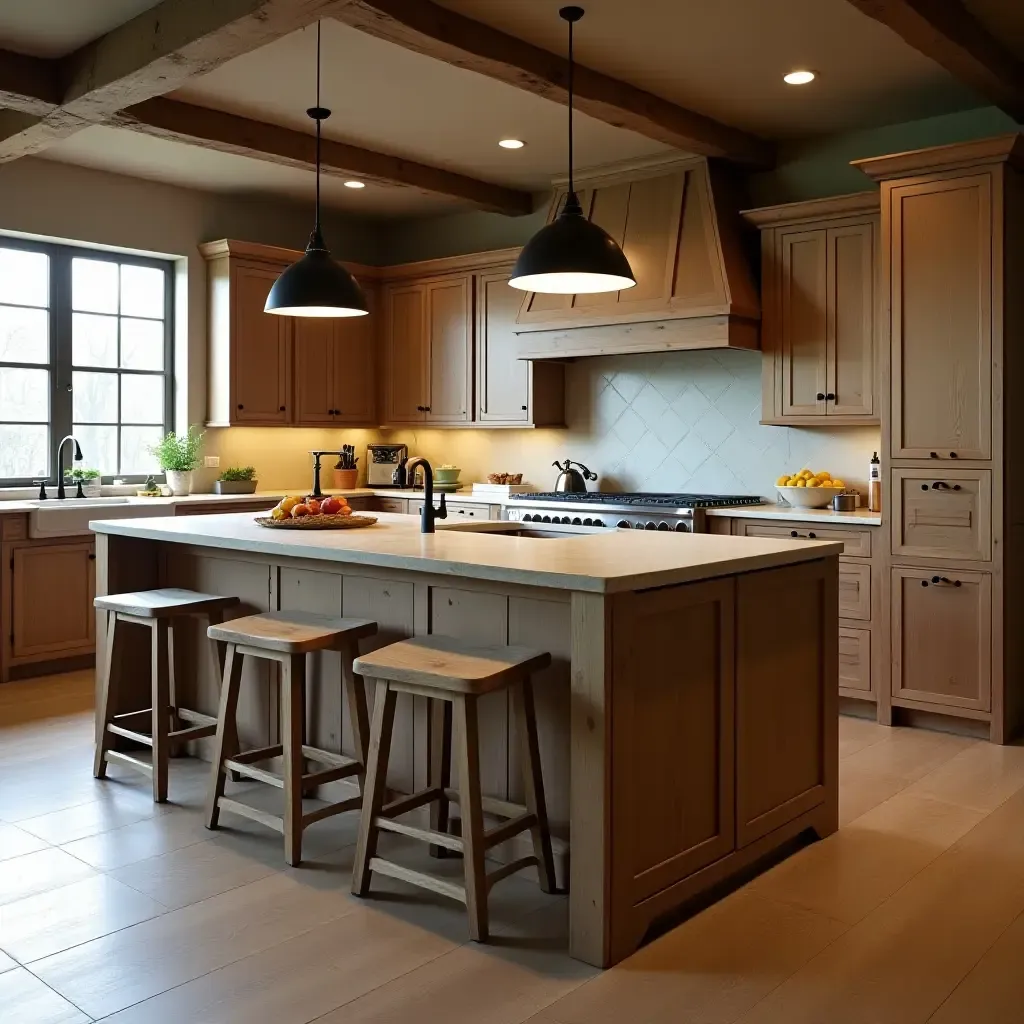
(953, 429)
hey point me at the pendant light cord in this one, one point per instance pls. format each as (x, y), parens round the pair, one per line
(572, 186)
(317, 223)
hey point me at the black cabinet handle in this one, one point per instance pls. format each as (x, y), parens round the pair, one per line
(820, 396)
(952, 455)
(421, 408)
(92, 558)
(830, 397)
(924, 487)
(812, 535)
(793, 533)
(241, 407)
(426, 408)
(933, 455)
(941, 485)
(282, 408)
(946, 580)
(924, 583)
(524, 408)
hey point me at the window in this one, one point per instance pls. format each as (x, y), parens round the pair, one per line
(85, 349)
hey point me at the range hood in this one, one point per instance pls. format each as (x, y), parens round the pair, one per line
(679, 225)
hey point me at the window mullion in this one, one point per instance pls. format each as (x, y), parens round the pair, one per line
(60, 355)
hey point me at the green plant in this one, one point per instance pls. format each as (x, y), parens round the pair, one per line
(179, 453)
(238, 473)
(79, 473)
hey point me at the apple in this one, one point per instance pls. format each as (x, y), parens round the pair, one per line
(314, 506)
(331, 507)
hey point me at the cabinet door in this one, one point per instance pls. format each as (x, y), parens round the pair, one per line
(850, 370)
(260, 349)
(52, 590)
(942, 637)
(941, 312)
(354, 371)
(855, 660)
(406, 350)
(502, 380)
(942, 515)
(315, 341)
(450, 366)
(854, 590)
(803, 322)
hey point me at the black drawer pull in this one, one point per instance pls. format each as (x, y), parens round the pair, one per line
(241, 407)
(933, 455)
(830, 397)
(820, 396)
(924, 487)
(281, 408)
(952, 455)
(812, 535)
(946, 580)
(793, 533)
(941, 485)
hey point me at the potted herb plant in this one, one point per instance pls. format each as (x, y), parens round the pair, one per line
(178, 455)
(236, 480)
(90, 479)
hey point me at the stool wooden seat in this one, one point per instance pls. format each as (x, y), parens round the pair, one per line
(455, 674)
(156, 610)
(286, 638)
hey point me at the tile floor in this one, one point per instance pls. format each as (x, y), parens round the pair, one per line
(114, 909)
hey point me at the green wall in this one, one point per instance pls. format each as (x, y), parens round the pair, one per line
(806, 170)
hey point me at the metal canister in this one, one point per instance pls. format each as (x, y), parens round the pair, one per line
(844, 503)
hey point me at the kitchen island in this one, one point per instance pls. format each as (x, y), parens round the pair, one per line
(688, 719)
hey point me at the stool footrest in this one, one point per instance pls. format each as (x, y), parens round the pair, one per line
(196, 717)
(263, 817)
(321, 778)
(491, 805)
(130, 734)
(510, 869)
(193, 732)
(351, 804)
(327, 757)
(424, 835)
(251, 772)
(508, 829)
(259, 754)
(404, 804)
(142, 712)
(132, 762)
(420, 878)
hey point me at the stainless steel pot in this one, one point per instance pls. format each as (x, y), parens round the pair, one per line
(844, 503)
(573, 481)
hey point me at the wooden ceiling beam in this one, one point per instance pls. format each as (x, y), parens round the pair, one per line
(152, 54)
(425, 27)
(229, 133)
(947, 33)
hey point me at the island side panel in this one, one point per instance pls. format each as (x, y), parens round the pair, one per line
(787, 697)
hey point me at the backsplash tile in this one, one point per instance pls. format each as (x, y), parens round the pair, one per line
(685, 421)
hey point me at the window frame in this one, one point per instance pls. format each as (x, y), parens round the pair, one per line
(60, 363)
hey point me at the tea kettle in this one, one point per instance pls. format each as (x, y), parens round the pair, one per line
(572, 480)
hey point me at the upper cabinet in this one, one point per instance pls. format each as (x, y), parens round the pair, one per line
(819, 295)
(452, 356)
(678, 226)
(267, 370)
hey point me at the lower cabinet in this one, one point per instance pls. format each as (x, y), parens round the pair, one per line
(854, 659)
(48, 589)
(455, 510)
(941, 637)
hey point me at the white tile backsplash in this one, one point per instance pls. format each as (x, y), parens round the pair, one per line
(681, 421)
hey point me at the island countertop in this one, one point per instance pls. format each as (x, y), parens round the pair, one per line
(598, 562)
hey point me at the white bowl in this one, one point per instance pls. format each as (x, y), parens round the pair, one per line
(809, 497)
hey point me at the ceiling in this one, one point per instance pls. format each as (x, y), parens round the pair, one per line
(724, 59)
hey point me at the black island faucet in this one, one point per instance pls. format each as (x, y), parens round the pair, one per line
(404, 474)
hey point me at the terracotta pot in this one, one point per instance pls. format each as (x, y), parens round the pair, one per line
(345, 479)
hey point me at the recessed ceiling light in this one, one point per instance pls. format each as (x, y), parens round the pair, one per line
(355, 184)
(511, 143)
(799, 77)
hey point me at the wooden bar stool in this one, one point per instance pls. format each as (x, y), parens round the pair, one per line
(157, 610)
(458, 674)
(287, 637)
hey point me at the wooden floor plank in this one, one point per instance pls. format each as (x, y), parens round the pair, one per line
(26, 1000)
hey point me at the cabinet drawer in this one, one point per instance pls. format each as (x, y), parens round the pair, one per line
(942, 515)
(856, 543)
(855, 590)
(455, 511)
(14, 526)
(855, 659)
(390, 505)
(942, 637)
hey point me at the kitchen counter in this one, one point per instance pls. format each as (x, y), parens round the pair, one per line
(688, 719)
(788, 513)
(599, 562)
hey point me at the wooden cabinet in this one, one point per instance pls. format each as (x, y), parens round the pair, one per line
(456, 510)
(267, 370)
(941, 291)
(941, 635)
(819, 311)
(47, 594)
(940, 515)
(399, 505)
(856, 542)
(854, 661)
(405, 352)
(511, 391)
(854, 590)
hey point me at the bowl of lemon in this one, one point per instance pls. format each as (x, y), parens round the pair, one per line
(809, 490)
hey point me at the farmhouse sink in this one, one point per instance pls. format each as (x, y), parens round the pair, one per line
(71, 517)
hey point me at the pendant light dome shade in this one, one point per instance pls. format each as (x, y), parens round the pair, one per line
(316, 285)
(572, 255)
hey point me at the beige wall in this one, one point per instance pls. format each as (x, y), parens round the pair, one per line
(58, 201)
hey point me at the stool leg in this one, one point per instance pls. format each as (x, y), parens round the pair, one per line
(376, 785)
(533, 783)
(470, 804)
(173, 749)
(224, 744)
(293, 717)
(355, 691)
(214, 617)
(440, 767)
(107, 699)
(161, 708)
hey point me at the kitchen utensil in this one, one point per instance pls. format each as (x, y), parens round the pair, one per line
(316, 522)
(572, 480)
(381, 462)
(844, 503)
(809, 497)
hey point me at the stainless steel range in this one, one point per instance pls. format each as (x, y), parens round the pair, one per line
(681, 513)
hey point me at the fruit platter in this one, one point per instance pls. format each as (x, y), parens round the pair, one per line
(309, 513)
(809, 490)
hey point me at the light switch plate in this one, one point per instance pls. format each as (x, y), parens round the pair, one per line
(211, 461)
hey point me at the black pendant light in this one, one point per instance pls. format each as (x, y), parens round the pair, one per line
(317, 285)
(572, 255)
